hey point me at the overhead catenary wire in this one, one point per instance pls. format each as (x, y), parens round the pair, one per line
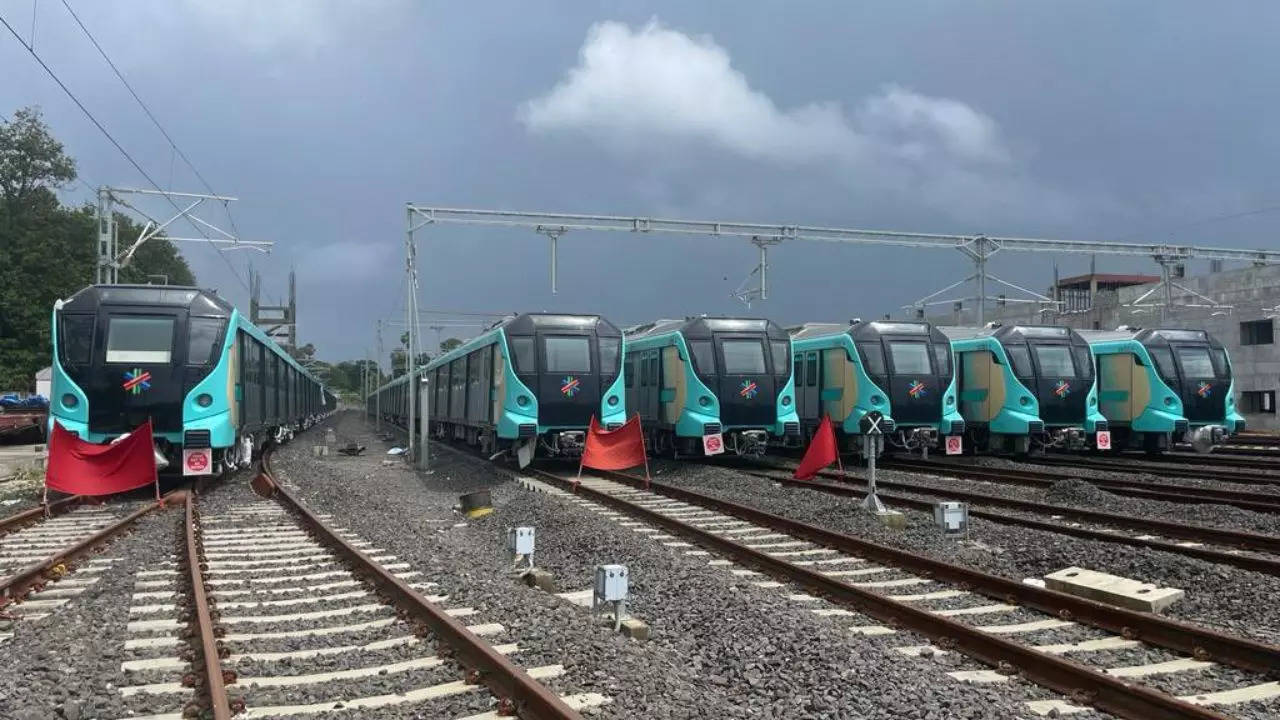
(49, 71)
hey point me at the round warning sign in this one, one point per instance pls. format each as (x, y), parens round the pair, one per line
(955, 445)
(712, 444)
(197, 461)
(1104, 440)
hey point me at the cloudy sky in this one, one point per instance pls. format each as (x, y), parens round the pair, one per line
(1082, 120)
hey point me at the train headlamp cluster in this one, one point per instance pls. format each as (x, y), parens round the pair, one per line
(204, 400)
(1024, 400)
(876, 400)
(786, 400)
(704, 401)
(522, 400)
(613, 400)
(70, 401)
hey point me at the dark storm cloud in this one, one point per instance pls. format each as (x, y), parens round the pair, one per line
(1082, 120)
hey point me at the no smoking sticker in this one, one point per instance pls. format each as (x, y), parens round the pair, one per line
(196, 462)
(955, 444)
(712, 444)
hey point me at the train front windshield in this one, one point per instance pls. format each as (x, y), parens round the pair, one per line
(139, 339)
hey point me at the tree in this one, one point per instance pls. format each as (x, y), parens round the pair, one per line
(48, 251)
(450, 344)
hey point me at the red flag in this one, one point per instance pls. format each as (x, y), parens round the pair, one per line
(821, 453)
(82, 468)
(615, 449)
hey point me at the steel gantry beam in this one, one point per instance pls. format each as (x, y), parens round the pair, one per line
(979, 248)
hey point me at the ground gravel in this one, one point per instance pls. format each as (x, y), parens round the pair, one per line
(719, 644)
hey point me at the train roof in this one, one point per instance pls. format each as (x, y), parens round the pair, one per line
(1010, 332)
(861, 330)
(1156, 336)
(198, 301)
(703, 327)
(526, 323)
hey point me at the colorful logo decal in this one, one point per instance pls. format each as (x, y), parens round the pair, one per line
(1205, 390)
(136, 380)
(917, 390)
(1062, 389)
(570, 385)
(748, 389)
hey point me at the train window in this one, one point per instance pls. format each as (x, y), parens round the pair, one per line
(134, 339)
(1195, 362)
(1055, 361)
(1084, 360)
(1220, 366)
(910, 358)
(780, 351)
(521, 353)
(942, 358)
(872, 357)
(742, 357)
(202, 339)
(609, 354)
(1164, 364)
(1020, 358)
(629, 376)
(76, 339)
(811, 370)
(797, 372)
(568, 354)
(703, 359)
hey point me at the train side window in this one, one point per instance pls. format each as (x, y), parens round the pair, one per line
(1020, 358)
(797, 370)
(780, 351)
(872, 357)
(76, 338)
(942, 358)
(1221, 368)
(1163, 358)
(629, 372)
(811, 370)
(203, 335)
(609, 354)
(522, 354)
(1084, 360)
(703, 359)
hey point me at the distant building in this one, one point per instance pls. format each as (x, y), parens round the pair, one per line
(1239, 307)
(44, 381)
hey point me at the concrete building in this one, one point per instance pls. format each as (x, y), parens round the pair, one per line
(1238, 307)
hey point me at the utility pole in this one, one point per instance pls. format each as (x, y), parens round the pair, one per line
(422, 458)
(377, 401)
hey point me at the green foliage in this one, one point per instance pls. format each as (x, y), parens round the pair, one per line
(450, 344)
(47, 250)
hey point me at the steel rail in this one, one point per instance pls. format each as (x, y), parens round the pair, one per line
(1217, 536)
(1078, 681)
(19, 582)
(1260, 502)
(1262, 564)
(56, 507)
(215, 682)
(533, 700)
(1231, 470)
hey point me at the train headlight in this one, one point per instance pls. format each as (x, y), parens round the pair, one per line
(704, 401)
(613, 400)
(70, 401)
(786, 400)
(876, 400)
(1093, 401)
(204, 399)
(1024, 400)
(1168, 400)
(951, 400)
(522, 400)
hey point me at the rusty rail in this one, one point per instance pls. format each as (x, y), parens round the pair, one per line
(1260, 502)
(1228, 469)
(1262, 564)
(533, 701)
(56, 507)
(1081, 683)
(19, 582)
(214, 684)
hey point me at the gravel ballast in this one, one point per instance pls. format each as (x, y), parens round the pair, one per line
(718, 644)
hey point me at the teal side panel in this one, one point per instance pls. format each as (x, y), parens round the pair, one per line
(217, 418)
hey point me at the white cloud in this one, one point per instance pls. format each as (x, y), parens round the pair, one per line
(631, 88)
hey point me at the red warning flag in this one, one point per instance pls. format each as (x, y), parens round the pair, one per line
(77, 467)
(822, 451)
(615, 449)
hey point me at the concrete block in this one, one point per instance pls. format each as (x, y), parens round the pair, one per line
(539, 578)
(635, 628)
(1113, 589)
(892, 519)
(320, 450)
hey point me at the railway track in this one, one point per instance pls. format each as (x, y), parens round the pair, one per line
(1256, 501)
(1250, 551)
(301, 618)
(41, 555)
(1073, 646)
(1226, 469)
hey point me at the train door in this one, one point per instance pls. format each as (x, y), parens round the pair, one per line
(746, 388)
(568, 381)
(812, 389)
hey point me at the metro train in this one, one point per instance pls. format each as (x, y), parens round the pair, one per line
(214, 386)
(706, 385)
(527, 386)
(1025, 387)
(903, 370)
(1161, 386)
